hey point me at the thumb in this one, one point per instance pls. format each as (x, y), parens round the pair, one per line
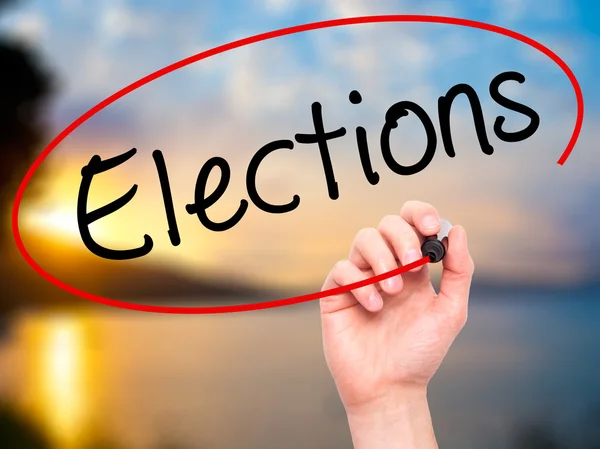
(457, 273)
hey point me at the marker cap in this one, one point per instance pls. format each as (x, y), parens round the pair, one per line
(434, 249)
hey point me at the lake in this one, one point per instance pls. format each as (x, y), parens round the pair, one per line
(258, 380)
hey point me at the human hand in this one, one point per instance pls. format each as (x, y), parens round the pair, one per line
(384, 342)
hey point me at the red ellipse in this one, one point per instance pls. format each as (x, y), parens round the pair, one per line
(241, 43)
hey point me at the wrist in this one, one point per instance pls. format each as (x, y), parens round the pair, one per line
(395, 401)
(401, 419)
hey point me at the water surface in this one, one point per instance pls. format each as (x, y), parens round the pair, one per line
(258, 380)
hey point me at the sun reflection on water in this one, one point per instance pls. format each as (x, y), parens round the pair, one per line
(58, 371)
(63, 352)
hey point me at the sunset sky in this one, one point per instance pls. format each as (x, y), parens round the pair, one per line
(526, 216)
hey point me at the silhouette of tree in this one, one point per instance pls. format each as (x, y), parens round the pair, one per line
(24, 89)
(16, 431)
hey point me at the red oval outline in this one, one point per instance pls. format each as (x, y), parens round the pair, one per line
(241, 43)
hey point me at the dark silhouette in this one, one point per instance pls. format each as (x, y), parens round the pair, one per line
(590, 433)
(24, 90)
(542, 434)
(536, 436)
(17, 431)
(5, 3)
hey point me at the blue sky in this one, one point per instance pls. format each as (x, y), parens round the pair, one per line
(150, 34)
(543, 215)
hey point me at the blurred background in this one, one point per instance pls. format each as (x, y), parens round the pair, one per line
(73, 375)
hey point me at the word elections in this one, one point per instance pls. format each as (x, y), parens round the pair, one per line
(320, 137)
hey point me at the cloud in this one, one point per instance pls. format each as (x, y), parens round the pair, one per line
(438, 8)
(538, 10)
(572, 49)
(355, 8)
(555, 9)
(279, 6)
(118, 21)
(71, 5)
(30, 26)
(509, 10)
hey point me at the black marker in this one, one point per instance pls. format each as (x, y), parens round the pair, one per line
(433, 247)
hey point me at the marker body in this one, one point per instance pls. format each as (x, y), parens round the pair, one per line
(434, 247)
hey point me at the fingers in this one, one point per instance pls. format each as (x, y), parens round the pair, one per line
(397, 238)
(371, 251)
(422, 216)
(457, 273)
(403, 238)
(345, 273)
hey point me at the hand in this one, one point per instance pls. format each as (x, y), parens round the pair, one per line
(383, 343)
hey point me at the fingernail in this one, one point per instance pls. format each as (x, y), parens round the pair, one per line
(392, 283)
(430, 222)
(375, 301)
(411, 256)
